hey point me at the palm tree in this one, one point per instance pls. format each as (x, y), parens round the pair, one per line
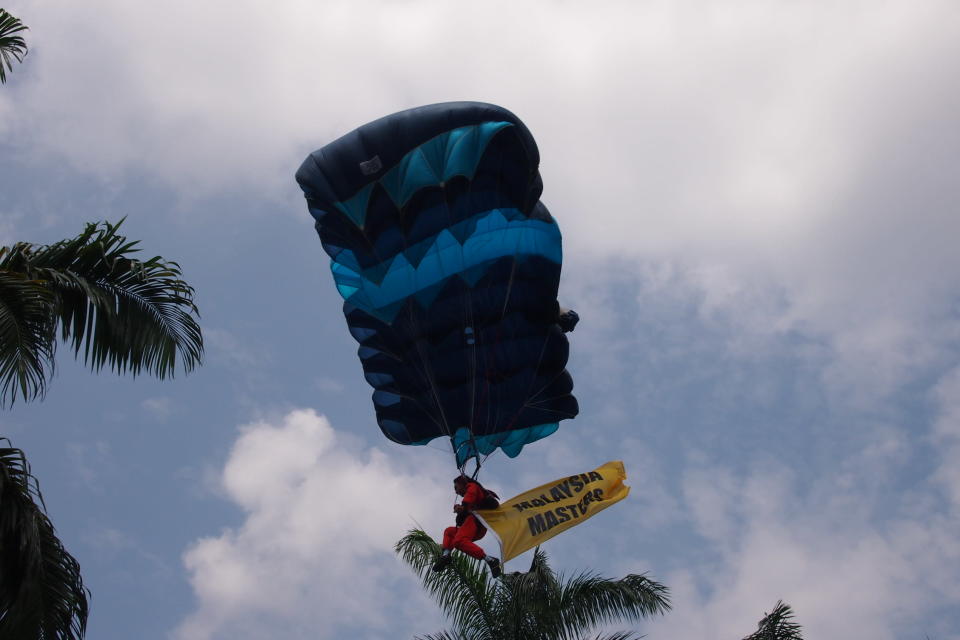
(41, 592)
(11, 46)
(135, 316)
(132, 315)
(777, 625)
(536, 605)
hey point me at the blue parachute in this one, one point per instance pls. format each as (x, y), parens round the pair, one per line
(448, 265)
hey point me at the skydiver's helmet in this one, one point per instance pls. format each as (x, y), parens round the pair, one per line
(460, 483)
(489, 499)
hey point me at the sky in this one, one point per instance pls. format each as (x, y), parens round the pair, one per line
(759, 208)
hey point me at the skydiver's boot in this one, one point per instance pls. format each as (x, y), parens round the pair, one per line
(442, 561)
(495, 568)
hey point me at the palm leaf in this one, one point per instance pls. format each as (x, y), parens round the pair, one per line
(26, 335)
(589, 600)
(11, 46)
(777, 625)
(41, 591)
(133, 316)
(463, 591)
(565, 609)
(442, 635)
(537, 605)
(528, 606)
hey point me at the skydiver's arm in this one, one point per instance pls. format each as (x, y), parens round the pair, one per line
(473, 496)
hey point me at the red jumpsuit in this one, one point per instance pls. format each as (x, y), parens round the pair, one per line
(462, 537)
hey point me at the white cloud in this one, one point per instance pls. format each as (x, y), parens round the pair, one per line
(785, 168)
(852, 563)
(789, 153)
(89, 459)
(160, 407)
(854, 556)
(313, 557)
(8, 227)
(235, 352)
(330, 385)
(946, 434)
(131, 560)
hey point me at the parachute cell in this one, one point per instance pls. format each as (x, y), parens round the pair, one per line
(448, 265)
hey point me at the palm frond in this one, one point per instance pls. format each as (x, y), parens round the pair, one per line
(536, 605)
(589, 600)
(27, 344)
(133, 316)
(442, 635)
(463, 591)
(41, 591)
(777, 625)
(619, 635)
(565, 609)
(529, 605)
(11, 46)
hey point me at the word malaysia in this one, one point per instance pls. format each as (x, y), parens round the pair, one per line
(565, 490)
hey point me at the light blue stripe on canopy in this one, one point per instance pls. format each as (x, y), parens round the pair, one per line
(454, 153)
(498, 233)
(512, 442)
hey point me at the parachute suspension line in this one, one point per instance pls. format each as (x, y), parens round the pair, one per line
(425, 371)
(530, 397)
(482, 461)
(463, 467)
(513, 274)
(380, 258)
(476, 469)
(503, 313)
(491, 359)
(543, 350)
(468, 335)
(429, 377)
(491, 362)
(425, 376)
(471, 335)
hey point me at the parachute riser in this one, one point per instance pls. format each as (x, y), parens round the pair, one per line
(462, 468)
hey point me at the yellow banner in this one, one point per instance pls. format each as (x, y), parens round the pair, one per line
(533, 517)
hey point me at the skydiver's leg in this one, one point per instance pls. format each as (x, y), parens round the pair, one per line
(469, 531)
(472, 550)
(462, 538)
(466, 534)
(448, 535)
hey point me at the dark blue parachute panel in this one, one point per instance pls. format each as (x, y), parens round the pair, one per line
(449, 266)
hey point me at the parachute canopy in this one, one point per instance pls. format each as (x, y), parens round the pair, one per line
(448, 265)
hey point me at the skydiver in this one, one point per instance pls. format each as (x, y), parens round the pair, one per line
(468, 528)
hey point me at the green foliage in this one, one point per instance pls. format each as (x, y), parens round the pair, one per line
(537, 605)
(131, 315)
(41, 592)
(26, 334)
(128, 314)
(11, 45)
(777, 625)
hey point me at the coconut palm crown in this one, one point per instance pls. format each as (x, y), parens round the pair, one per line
(135, 316)
(41, 591)
(12, 46)
(777, 625)
(537, 605)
